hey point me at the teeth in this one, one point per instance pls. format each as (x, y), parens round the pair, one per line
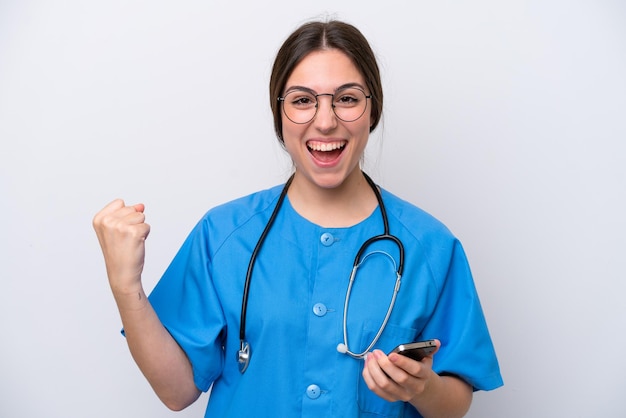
(326, 146)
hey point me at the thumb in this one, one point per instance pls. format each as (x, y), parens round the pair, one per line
(139, 207)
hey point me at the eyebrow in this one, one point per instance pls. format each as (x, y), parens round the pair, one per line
(310, 90)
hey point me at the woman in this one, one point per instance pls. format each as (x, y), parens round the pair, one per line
(285, 335)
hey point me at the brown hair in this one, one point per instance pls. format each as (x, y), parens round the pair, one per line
(315, 36)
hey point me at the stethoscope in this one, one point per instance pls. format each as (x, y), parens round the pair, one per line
(244, 353)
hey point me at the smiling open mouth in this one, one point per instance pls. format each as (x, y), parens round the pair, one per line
(326, 151)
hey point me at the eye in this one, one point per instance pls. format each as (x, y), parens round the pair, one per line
(300, 99)
(349, 98)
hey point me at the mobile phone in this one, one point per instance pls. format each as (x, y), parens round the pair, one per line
(416, 351)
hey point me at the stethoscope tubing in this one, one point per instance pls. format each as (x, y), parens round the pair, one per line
(396, 289)
(257, 248)
(244, 354)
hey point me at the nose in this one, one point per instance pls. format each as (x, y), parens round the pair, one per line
(325, 118)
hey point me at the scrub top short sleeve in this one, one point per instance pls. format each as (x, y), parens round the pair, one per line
(452, 311)
(466, 347)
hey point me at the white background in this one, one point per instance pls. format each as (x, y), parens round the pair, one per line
(506, 120)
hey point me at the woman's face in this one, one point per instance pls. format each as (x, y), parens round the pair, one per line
(326, 151)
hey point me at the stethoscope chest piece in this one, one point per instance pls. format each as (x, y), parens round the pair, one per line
(243, 356)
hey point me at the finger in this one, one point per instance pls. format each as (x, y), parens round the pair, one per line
(139, 207)
(132, 217)
(133, 214)
(413, 371)
(412, 366)
(372, 379)
(383, 373)
(397, 373)
(118, 206)
(125, 212)
(113, 206)
(400, 385)
(110, 208)
(367, 376)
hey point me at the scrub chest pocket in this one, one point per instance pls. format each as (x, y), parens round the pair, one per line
(368, 401)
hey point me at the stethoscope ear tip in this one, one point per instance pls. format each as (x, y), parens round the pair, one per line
(341, 347)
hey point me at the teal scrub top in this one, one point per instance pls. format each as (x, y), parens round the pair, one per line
(295, 309)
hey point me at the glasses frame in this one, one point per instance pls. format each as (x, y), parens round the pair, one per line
(317, 103)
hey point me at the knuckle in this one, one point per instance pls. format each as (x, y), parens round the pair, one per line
(109, 222)
(386, 385)
(403, 379)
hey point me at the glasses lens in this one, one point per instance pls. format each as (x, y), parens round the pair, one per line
(349, 104)
(300, 106)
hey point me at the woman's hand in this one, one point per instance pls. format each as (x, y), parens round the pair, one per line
(397, 377)
(400, 378)
(122, 233)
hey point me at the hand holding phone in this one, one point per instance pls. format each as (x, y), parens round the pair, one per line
(416, 351)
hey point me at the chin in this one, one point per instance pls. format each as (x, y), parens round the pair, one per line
(328, 181)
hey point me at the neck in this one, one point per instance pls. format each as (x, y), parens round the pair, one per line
(345, 205)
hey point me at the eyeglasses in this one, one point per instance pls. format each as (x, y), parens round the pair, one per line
(300, 105)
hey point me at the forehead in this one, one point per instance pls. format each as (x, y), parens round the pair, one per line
(324, 71)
